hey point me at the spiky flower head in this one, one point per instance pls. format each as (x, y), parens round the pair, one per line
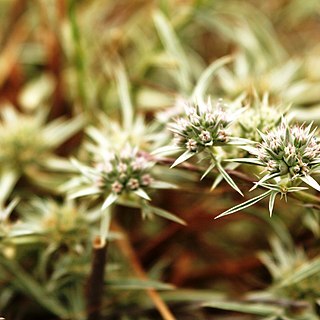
(261, 115)
(292, 150)
(26, 139)
(59, 223)
(124, 176)
(115, 173)
(127, 171)
(203, 125)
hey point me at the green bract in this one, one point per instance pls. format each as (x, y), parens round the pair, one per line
(292, 151)
(289, 154)
(202, 126)
(205, 127)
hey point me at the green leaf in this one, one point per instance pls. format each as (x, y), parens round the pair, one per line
(162, 185)
(271, 201)
(166, 150)
(246, 160)
(89, 191)
(60, 130)
(8, 180)
(185, 156)
(165, 214)
(256, 308)
(112, 197)
(265, 178)
(212, 165)
(228, 178)
(305, 271)
(219, 178)
(246, 204)
(239, 141)
(142, 194)
(174, 49)
(204, 80)
(311, 182)
(124, 95)
(4, 214)
(137, 284)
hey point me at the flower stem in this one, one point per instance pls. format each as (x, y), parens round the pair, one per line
(94, 286)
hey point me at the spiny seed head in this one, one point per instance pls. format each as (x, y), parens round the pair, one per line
(292, 150)
(203, 125)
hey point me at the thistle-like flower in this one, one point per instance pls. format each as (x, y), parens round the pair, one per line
(125, 176)
(290, 151)
(202, 126)
(117, 173)
(260, 115)
(291, 154)
(27, 145)
(61, 224)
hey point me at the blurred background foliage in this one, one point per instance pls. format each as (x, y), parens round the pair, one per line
(120, 66)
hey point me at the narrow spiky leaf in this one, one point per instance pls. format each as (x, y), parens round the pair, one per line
(212, 165)
(311, 182)
(185, 156)
(271, 201)
(142, 194)
(228, 178)
(112, 197)
(245, 205)
(265, 178)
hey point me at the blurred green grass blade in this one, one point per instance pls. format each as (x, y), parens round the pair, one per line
(127, 110)
(174, 49)
(256, 309)
(166, 214)
(79, 57)
(304, 272)
(8, 180)
(204, 80)
(137, 284)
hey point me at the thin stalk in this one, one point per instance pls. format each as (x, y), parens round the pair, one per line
(129, 253)
(79, 55)
(94, 287)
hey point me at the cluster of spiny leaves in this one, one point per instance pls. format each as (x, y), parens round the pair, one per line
(117, 173)
(202, 126)
(289, 150)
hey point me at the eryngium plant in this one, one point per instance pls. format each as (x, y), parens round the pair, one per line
(27, 145)
(120, 176)
(290, 155)
(261, 115)
(204, 128)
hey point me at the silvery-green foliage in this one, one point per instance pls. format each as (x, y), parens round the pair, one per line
(124, 176)
(289, 150)
(295, 275)
(261, 114)
(27, 147)
(117, 173)
(26, 139)
(204, 128)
